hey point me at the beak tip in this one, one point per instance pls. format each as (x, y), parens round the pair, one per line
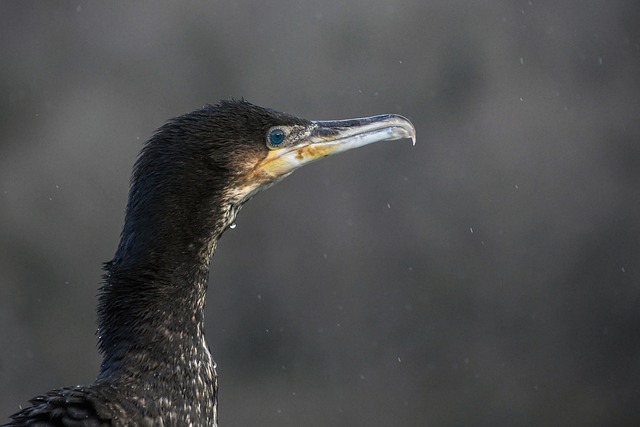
(407, 128)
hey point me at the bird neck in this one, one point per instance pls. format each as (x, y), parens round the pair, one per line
(151, 306)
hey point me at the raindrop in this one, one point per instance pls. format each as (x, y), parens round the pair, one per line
(233, 225)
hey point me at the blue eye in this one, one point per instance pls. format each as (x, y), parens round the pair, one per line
(276, 136)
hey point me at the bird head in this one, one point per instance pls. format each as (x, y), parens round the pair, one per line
(256, 147)
(218, 157)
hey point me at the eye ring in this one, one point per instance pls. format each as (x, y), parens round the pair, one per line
(275, 137)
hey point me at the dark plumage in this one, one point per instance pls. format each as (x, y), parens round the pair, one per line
(190, 180)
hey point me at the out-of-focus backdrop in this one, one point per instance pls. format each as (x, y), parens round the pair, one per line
(488, 276)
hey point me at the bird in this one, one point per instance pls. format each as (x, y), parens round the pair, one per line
(189, 182)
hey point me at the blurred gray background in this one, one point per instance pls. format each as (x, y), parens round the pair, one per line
(488, 276)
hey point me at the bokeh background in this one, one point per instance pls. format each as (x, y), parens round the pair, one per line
(488, 276)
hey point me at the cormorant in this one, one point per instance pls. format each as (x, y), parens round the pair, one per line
(188, 184)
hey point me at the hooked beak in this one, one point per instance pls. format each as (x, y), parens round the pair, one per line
(330, 137)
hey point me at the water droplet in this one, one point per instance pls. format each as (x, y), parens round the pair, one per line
(233, 225)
